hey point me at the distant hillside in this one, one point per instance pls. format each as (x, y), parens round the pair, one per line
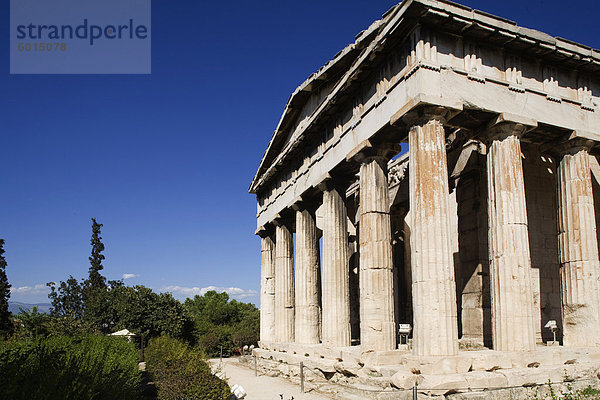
(13, 307)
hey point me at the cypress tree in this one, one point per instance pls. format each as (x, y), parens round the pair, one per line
(5, 318)
(96, 280)
(95, 292)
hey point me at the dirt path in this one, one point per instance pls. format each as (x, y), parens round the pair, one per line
(263, 387)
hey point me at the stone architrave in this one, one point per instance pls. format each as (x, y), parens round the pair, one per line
(284, 283)
(308, 310)
(513, 324)
(335, 269)
(578, 248)
(267, 288)
(435, 331)
(376, 281)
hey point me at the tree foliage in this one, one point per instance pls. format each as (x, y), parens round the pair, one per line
(67, 299)
(95, 280)
(5, 317)
(97, 305)
(32, 323)
(143, 311)
(88, 300)
(220, 322)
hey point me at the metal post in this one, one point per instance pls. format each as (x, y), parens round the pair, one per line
(301, 377)
(415, 392)
(255, 372)
(221, 359)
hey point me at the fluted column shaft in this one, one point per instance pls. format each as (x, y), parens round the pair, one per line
(308, 310)
(578, 250)
(513, 327)
(335, 274)
(433, 284)
(377, 323)
(267, 289)
(284, 284)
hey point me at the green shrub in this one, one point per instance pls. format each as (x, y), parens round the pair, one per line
(209, 343)
(180, 372)
(65, 368)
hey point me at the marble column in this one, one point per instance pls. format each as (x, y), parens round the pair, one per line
(335, 269)
(578, 249)
(513, 327)
(284, 283)
(435, 331)
(267, 288)
(377, 323)
(308, 310)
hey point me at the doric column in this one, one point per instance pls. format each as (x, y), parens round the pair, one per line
(284, 283)
(308, 310)
(335, 269)
(267, 287)
(513, 327)
(376, 281)
(578, 248)
(435, 331)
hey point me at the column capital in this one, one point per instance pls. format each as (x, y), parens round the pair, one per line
(505, 125)
(265, 230)
(366, 152)
(286, 218)
(305, 203)
(422, 108)
(422, 115)
(571, 146)
(330, 182)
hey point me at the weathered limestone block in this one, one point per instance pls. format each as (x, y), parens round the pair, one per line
(406, 380)
(377, 324)
(284, 284)
(578, 249)
(490, 361)
(442, 384)
(308, 310)
(335, 274)
(580, 371)
(532, 376)
(479, 380)
(267, 289)
(433, 286)
(346, 368)
(513, 327)
(448, 365)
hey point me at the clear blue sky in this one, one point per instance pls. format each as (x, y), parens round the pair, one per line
(164, 161)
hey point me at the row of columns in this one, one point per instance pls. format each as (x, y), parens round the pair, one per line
(297, 315)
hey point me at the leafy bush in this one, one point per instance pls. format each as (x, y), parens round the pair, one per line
(65, 368)
(180, 372)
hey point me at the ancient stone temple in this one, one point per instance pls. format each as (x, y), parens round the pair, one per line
(441, 172)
